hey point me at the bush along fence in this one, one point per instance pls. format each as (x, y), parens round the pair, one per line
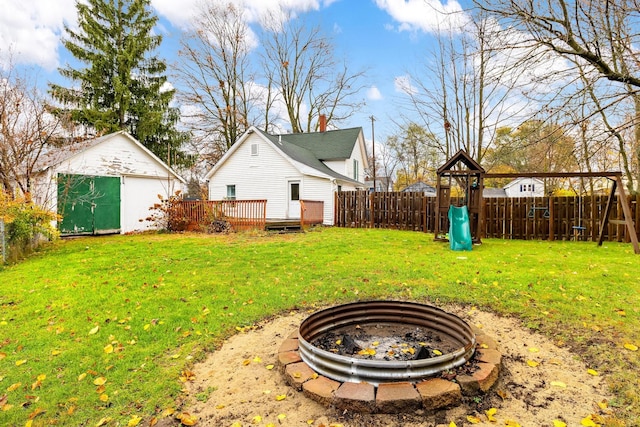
(525, 218)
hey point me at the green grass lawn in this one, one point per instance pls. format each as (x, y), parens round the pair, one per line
(100, 329)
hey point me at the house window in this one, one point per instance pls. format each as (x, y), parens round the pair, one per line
(355, 169)
(231, 192)
(254, 149)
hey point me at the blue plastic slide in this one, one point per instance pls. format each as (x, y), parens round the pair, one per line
(459, 229)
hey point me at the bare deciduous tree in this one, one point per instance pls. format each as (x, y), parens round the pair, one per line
(301, 65)
(27, 129)
(219, 96)
(465, 89)
(599, 39)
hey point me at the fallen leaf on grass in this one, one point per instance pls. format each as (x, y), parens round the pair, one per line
(534, 350)
(592, 372)
(93, 332)
(134, 421)
(38, 411)
(281, 417)
(473, 420)
(108, 349)
(603, 405)
(103, 421)
(452, 424)
(100, 381)
(631, 347)
(14, 386)
(558, 423)
(82, 376)
(104, 397)
(21, 362)
(558, 384)
(257, 419)
(511, 423)
(532, 363)
(281, 397)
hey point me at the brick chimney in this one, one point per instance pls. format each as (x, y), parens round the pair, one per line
(323, 123)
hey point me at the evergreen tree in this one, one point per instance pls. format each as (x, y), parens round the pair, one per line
(121, 84)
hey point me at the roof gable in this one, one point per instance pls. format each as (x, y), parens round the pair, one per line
(59, 155)
(461, 156)
(308, 149)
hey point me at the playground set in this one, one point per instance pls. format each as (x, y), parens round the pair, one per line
(464, 220)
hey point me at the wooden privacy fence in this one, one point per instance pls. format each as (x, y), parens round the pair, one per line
(240, 214)
(545, 218)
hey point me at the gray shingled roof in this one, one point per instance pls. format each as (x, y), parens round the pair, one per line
(329, 145)
(311, 148)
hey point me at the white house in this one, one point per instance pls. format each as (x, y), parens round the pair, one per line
(284, 169)
(103, 185)
(525, 187)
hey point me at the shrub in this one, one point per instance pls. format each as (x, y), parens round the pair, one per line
(168, 214)
(25, 224)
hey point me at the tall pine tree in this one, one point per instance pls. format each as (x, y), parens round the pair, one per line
(121, 84)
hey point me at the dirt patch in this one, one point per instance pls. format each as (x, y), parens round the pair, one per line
(236, 384)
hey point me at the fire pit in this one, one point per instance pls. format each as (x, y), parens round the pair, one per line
(384, 341)
(388, 356)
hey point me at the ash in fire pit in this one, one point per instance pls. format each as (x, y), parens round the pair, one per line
(385, 341)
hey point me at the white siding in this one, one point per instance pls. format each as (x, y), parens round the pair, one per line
(264, 176)
(142, 178)
(114, 157)
(137, 195)
(339, 166)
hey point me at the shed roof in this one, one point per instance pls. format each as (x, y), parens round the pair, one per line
(57, 155)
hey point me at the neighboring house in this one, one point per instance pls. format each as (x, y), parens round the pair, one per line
(103, 185)
(284, 169)
(525, 187)
(383, 184)
(421, 187)
(490, 192)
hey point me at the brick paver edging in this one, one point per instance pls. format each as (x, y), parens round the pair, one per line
(390, 398)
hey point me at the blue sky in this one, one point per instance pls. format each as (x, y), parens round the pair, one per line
(385, 37)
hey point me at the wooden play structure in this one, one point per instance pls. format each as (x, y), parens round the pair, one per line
(470, 176)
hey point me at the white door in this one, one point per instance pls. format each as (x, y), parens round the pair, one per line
(294, 199)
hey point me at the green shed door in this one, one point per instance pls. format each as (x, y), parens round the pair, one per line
(88, 204)
(106, 211)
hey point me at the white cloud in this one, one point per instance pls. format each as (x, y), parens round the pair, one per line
(428, 16)
(373, 94)
(180, 13)
(403, 85)
(31, 30)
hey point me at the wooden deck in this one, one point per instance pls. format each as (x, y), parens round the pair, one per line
(277, 224)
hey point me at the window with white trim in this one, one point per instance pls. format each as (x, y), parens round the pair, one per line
(254, 149)
(231, 192)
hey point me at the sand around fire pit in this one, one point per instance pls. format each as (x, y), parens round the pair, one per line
(539, 383)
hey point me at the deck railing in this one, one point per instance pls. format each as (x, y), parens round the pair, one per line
(240, 214)
(311, 212)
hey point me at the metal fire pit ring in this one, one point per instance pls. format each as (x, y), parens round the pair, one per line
(375, 372)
